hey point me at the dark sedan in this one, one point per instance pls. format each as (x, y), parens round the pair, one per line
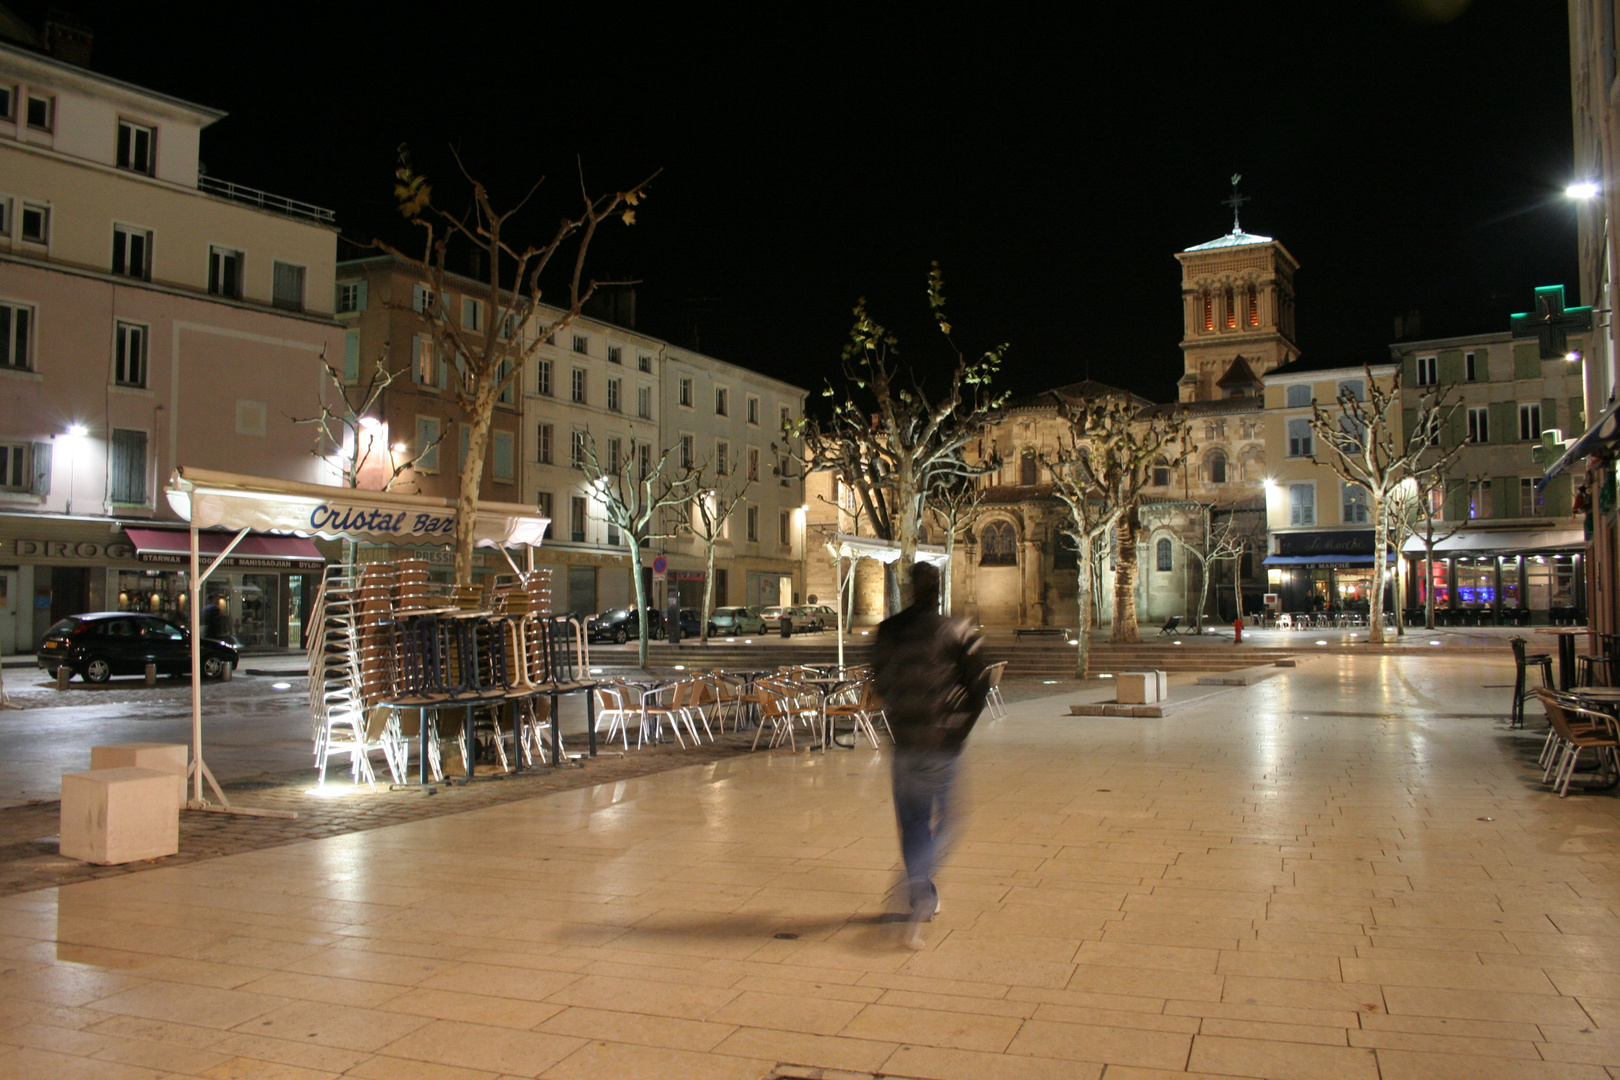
(98, 645)
(623, 624)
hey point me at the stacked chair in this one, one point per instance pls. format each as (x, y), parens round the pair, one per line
(1573, 728)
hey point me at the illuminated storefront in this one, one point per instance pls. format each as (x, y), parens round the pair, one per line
(1511, 577)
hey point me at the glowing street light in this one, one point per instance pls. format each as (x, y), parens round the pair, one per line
(77, 431)
(1584, 189)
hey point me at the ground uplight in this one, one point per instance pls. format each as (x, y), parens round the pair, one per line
(1106, 675)
(324, 792)
(281, 686)
(1321, 643)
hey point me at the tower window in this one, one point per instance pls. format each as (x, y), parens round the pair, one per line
(1231, 312)
(1209, 310)
(1254, 307)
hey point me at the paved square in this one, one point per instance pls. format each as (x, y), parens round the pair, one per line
(1346, 871)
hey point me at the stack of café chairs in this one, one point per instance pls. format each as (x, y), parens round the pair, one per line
(1574, 728)
(351, 663)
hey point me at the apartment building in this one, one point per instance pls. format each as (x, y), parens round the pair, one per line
(730, 422)
(1510, 553)
(150, 316)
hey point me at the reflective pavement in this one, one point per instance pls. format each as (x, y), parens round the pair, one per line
(1348, 871)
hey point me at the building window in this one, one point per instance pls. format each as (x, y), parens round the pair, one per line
(576, 519)
(135, 145)
(422, 299)
(722, 401)
(1470, 374)
(644, 363)
(542, 500)
(1354, 507)
(424, 364)
(1530, 421)
(612, 535)
(127, 465)
(582, 344)
(1209, 311)
(225, 272)
(1301, 504)
(643, 461)
(1299, 439)
(1165, 554)
(1529, 505)
(1231, 310)
(1029, 469)
(14, 473)
(785, 529)
(1479, 498)
(1161, 473)
(576, 386)
(350, 297)
(542, 383)
(616, 354)
(576, 450)
(501, 450)
(41, 112)
(1299, 397)
(1217, 467)
(16, 329)
(686, 451)
(782, 470)
(287, 286)
(644, 402)
(129, 355)
(753, 524)
(1353, 388)
(686, 392)
(1479, 424)
(753, 410)
(1428, 370)
(1254, 306)
(613, 395)
(543, 444)
(472, 314)
(132, 249)
(997, 545)
(5, 216)
(753, 463)
(722, 455)
(615, 447)
(427, 444)
(785, 418)
(8, 102)
(36, 223)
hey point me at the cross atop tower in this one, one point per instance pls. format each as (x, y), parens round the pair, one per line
(1235, 202)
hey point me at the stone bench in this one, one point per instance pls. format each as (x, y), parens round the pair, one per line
(112, 816)
(1141, 687)
(164, 757)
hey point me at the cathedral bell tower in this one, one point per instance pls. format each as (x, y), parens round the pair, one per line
(1237, 296)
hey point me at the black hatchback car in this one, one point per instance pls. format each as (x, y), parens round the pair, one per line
(101, 644)
(623, 624)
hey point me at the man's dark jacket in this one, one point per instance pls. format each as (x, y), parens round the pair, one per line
(930, 673)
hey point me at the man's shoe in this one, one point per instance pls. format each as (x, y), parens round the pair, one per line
(912, 936)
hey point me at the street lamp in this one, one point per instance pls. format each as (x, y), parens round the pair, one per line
(1582, 189)
(75, 435)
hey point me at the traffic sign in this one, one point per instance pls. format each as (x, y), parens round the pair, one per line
(660, 565)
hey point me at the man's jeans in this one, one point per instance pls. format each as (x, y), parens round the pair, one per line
(924, 793)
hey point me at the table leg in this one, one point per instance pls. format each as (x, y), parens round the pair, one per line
(422, 741)
(556, 731)
(590, 718)
(517, 733)
(467, 743)
(1566, 661)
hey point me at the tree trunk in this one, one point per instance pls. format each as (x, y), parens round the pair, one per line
(1375, 603)
(950, 565)
(1082, 645)
(908, 503)
(708, 595)
(1428, 581)
(1125, 573)
(641, 600)
(472, 474)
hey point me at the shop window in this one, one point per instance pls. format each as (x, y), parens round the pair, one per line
(1166, 555)
(998, 545)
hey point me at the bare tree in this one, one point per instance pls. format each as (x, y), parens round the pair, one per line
(716, 498)
(490, 356)
(1133, 440)
(955, 502)
(1212, 545)
(1366, 447)
(1419, 510)
(634, 489)
(347, 429)
(889, 439)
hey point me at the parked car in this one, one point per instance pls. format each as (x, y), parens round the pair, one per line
(101, 644)
(691, 624)
(825, 616)
(736, 620)
(773, 618)
(623, 624)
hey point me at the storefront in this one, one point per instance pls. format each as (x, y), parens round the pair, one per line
(53, 566)
(1509, 577)
(1326, 571)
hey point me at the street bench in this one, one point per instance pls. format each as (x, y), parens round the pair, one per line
(1040, 631)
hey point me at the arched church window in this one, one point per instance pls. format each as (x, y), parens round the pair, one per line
(1161, 473)
(1028, 469)
(1209, 310)
(1166, 555)
(997, 545)
(1231, 310)
(1217, 467)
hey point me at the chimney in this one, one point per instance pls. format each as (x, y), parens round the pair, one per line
(66, 38)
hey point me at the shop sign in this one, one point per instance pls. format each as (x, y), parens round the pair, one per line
(1339, 542)
(68, 549)
(689, 575)
(247, 562)
(356, 519)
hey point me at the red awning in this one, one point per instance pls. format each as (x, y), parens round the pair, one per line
(256, 549)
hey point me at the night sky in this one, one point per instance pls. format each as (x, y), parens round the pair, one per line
(1052, 164)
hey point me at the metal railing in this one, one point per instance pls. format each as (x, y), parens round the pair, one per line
(278, 203)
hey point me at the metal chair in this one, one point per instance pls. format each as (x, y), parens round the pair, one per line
(1521, 690)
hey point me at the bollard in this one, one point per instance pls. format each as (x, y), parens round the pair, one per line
(225, 676)
(787, 626)
(63, 675)
(1237, 630)
(151, 674)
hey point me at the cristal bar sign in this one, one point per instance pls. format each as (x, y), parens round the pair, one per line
(352, 519)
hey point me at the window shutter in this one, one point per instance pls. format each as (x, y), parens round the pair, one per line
(1577, 417)
(1409, 371)
(1451, 367)
(1505, 494)
(1482, 370)
(444, 373)
(1456, 427)
(1504, 421)
(360, 301)
(418, 298)
(1556, 501)
(351, 356)
(1549, 413)
(42, 469)
(1527, 361)
(1408, 422)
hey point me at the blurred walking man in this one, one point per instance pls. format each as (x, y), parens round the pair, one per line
(930, 672)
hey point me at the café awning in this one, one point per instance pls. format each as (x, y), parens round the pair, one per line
(174, 546)
(1503, 542)
(1604, 433)
(843, 546)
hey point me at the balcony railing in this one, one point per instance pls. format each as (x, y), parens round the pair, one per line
(253, 196)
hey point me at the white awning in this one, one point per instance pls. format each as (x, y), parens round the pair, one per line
(844, 546)
(209, 499)
(1503, 541)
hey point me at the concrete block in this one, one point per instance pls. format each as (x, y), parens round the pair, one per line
(1141, 687)
(163, 757)
(112, 816)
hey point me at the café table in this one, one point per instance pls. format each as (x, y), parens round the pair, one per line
(1566, 651)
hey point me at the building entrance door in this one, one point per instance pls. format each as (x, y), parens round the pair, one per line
(70, 591)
